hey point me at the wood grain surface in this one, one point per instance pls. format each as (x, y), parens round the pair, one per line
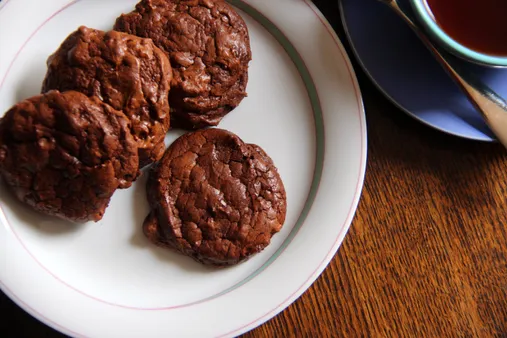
(426, 252)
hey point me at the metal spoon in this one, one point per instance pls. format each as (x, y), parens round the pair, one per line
(492, 107)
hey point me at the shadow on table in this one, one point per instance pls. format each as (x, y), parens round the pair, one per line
(458, 167)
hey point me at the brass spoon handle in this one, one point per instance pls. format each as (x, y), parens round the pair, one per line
(492, 107)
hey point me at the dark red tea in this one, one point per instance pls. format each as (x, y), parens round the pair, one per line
(480, 25)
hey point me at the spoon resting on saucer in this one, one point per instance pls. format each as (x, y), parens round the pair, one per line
(492, 107)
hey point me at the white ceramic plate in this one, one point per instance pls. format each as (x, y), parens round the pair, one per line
(106, 280)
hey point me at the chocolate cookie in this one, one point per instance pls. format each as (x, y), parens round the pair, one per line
(125, 71)
(209, 49)
(65, 154)
(214, 198)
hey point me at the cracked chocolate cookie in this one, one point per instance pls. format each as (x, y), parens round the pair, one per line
(209, 48)
(127, 72)
(214, 198)
(65, 154)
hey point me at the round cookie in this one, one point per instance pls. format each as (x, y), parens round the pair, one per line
(65, 154)
(209, 48)
(214, 198)
(127, 72)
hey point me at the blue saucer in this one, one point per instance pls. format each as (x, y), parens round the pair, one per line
(407, 73)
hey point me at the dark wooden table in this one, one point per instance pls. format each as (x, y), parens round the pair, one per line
(427, 251)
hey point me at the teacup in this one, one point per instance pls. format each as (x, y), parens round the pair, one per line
(475, 30)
